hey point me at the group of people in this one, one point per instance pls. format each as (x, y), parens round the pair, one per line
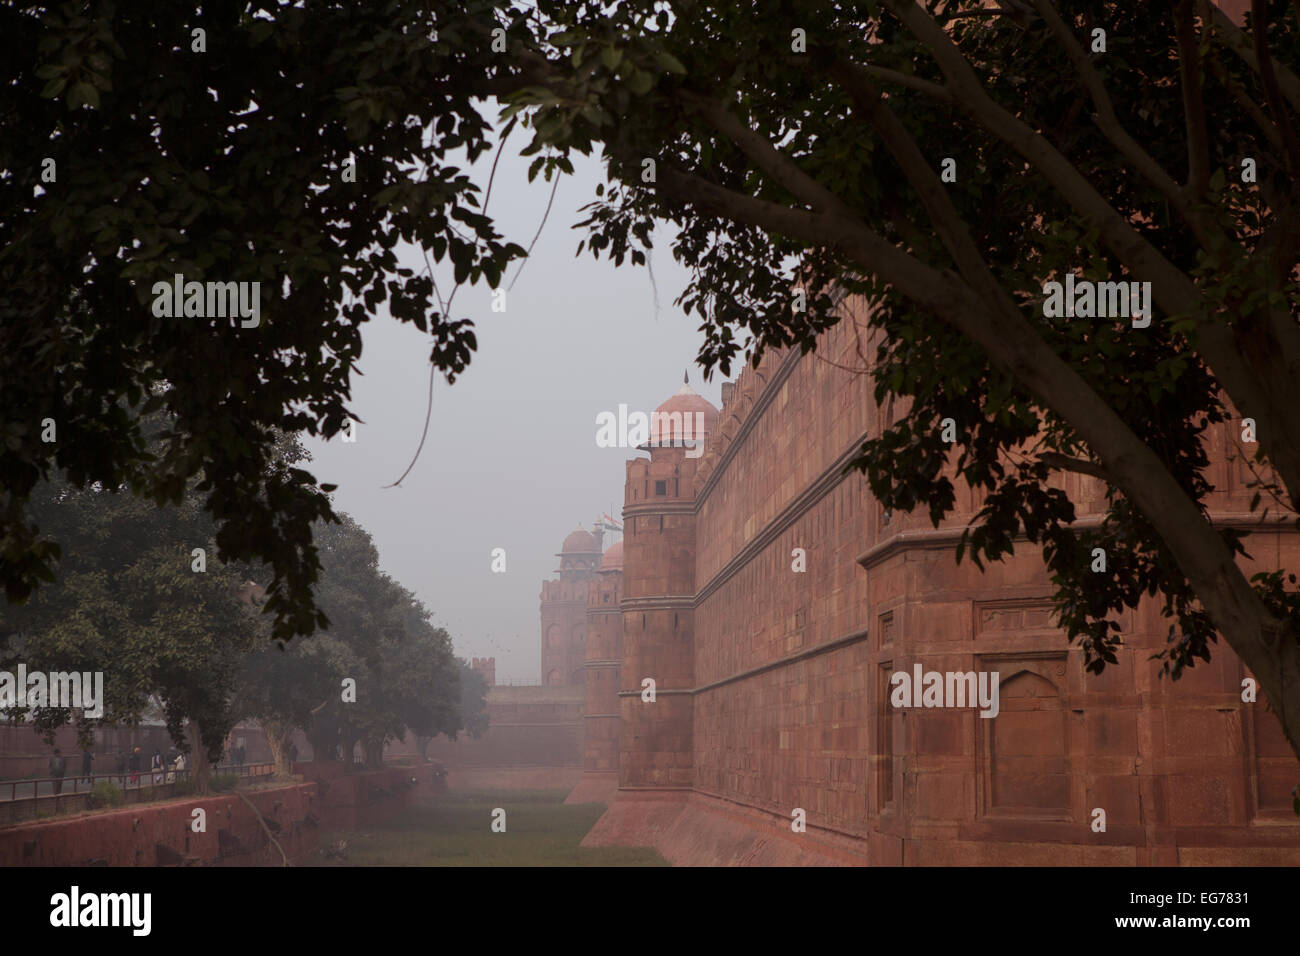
(59, 767)
(163, 768)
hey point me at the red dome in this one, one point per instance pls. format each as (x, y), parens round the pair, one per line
(580, 542)
(613, 559)
(688, 411)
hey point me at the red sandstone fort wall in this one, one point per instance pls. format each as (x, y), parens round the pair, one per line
(797, 733)
(564, 631)
(789, 672)
(604, 658)
(658, 621)
(527, 727)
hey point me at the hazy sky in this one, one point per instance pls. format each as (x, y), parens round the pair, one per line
(511, 459)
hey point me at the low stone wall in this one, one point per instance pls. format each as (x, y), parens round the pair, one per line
(349, 801)
(160, 834)
(691, 829)
(68, 802)
(594, 788)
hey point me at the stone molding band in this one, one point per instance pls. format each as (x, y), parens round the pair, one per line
(942, 538)
(803, 655)
(664, 506)
(819, 488)
(658, 602)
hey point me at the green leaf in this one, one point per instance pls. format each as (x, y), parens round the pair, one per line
(640, 82)
(83, 94)
(670, 63)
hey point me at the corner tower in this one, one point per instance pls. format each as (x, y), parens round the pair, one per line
(658, 594)
(564, 611)
(604, 659)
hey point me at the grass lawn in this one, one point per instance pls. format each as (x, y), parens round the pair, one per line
(455, 829)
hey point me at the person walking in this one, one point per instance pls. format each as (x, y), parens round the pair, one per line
(156, 765)
(134, 764)
(88, 765)
(58, 767)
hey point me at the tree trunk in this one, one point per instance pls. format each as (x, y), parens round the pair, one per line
(323, 742)
(277, 738)
(201, 769)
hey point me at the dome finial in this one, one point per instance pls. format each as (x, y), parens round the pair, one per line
(685, 380)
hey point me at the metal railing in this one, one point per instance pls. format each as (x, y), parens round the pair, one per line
(45, 788)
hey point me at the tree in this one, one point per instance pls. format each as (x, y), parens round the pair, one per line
(472, 714)
(136, 602)
(285, 145)
(473, 702)
(282, 685)
(403, 673)
(800, 148)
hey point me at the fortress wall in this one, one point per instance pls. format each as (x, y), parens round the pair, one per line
(796, 734)
(527, 727)
(791, 706)
(787, 422)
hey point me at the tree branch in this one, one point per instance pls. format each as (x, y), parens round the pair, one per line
(934, 90)
(1268, 77)
(1189, 73)
(1252, 109)
(269, 834)
(1114, 131)
(1014, 346)
(944, 216)
(781, 168)
(1176, 293)
(1264, 392)
(923, 284)
(1229, 35)
(1065, 463)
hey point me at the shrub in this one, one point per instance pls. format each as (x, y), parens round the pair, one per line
(225, 781)
(104, 794)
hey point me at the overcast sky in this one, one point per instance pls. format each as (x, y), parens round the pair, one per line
(511, 459)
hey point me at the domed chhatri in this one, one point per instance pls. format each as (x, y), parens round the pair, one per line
(613, 558)
(686, 416)
(580, 542)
